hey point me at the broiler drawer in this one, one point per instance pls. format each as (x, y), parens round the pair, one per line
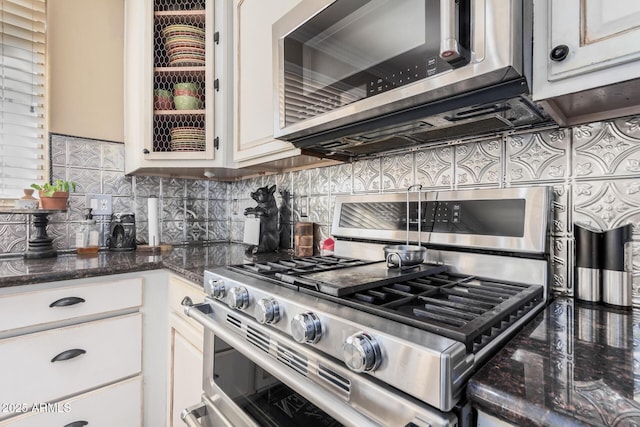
(58, 363)
(33, 308)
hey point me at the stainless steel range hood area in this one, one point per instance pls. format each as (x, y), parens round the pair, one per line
(488, 94)
(476, 114)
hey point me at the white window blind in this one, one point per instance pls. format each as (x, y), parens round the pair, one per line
(22, 95)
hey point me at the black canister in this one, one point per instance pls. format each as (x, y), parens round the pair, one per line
(617, 274)
(588, 282)
(122, 232)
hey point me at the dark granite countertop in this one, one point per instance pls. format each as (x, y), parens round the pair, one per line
(572, 365)
(187, 261)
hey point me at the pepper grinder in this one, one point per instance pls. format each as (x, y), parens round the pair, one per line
(617, 273)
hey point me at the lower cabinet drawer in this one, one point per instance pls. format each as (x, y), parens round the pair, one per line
(115, 405)
(35, 308)
(58, 363)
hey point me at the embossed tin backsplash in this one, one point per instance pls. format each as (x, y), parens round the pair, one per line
(594, 170)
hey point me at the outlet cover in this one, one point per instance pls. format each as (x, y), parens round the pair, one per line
(101, 204)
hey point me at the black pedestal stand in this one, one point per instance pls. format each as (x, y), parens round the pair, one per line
(41, 245)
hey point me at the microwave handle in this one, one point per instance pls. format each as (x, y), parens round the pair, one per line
(450, 49)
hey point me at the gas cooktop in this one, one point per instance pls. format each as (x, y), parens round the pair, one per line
(468, 309)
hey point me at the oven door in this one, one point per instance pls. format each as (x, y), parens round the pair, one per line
(329, 54)
(243, 386)
(254, 376)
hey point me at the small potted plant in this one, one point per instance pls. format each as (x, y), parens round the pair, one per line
(54, 195)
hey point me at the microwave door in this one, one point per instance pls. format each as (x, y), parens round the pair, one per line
(349, 51)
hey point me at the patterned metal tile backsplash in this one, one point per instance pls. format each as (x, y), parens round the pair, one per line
(594, 170)
(191, 210)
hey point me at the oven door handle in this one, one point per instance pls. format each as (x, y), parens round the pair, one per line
(192, 414)
(206, 408)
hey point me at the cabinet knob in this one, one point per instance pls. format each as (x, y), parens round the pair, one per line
(559, 53)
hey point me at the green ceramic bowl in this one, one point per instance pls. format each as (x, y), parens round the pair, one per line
(187, 86)
(187, 102)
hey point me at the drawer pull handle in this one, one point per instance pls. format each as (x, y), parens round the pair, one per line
(68, 354)
(77, 424)
(63, 302)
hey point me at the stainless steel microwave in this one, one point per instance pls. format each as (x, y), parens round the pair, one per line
(356, 77)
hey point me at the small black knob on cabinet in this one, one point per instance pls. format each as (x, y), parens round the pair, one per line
(559, 53)
(145, 151)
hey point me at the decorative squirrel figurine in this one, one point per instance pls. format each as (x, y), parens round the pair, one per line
(267, 212)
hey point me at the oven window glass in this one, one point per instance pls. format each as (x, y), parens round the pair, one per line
(359, 48)
(267, 400)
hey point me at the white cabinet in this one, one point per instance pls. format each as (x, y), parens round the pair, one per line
(114, 405)
(253, 82)
(177, 51)
(63, 341)
(583, 45)
(67, 303)
(185, 351)
(65, 361)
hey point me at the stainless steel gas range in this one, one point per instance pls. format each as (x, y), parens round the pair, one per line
(349, 340)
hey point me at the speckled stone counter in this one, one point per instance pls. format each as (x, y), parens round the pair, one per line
(573, 365)
(188, 261)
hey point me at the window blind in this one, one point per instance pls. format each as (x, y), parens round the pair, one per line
(22, 95)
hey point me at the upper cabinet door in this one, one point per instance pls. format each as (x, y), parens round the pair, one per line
(253, 78)
(177, 98)
(597, 33)
(586, 59)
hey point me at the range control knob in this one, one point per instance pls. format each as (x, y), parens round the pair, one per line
(306, 327)
(238, 297)
(215, 288)
(267, 311)
(361, 353)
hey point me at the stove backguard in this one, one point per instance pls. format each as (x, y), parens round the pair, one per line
(504, 220)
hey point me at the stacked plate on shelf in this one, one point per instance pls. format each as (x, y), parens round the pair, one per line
(187, 138)
(185, 44)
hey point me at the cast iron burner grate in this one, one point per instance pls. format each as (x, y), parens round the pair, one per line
(298, 265)
(468, 309)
